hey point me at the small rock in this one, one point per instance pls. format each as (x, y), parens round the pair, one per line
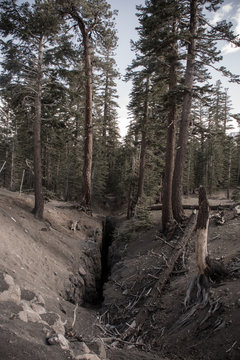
(53, 340)
(98, 348)
(40, 300)
(84, 348)
(81, 271)
(58, 339)
(238, 303)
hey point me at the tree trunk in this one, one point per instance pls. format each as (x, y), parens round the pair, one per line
(131, 198)
(105, 110)
(88, 132)
(167, 213)
(143, 144)
(202, 231)
(178, 211)
(238, 174)
(208, 269)
(39, 201)
(12, 178)
(229, 172)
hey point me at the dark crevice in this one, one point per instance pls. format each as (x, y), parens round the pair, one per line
(86, 286)
(108, 232)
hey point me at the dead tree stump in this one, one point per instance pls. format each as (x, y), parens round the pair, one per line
(207, 268)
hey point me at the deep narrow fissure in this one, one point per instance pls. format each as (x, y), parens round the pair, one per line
(107, 238)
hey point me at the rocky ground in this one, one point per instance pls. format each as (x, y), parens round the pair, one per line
(50, 287)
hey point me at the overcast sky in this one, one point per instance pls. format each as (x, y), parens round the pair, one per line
(126, 24)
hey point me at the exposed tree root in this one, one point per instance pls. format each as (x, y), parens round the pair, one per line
(198, 289)
(197, 294)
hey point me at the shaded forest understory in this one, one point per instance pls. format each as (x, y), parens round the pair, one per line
(59, 131)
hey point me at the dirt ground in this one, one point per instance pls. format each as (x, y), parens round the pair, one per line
(38, 258)
(172, 331)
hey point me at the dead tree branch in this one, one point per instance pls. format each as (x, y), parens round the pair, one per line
(157, 289)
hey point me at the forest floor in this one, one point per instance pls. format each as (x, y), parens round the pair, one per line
(39, 257)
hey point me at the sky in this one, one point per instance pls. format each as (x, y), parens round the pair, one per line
(127, 21)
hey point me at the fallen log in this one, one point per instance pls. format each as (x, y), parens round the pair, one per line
(156, 291)
(196, 207)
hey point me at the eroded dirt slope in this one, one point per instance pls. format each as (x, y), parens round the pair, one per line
(171, 330)
(46, 269)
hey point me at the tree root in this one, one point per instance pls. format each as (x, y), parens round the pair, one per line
(197, 288)
(200, 284)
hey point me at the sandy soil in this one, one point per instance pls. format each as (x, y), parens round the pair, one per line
(38, 257)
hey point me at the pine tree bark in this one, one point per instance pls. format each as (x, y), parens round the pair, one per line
(178, 211)
(143, 144)
(229, 172)
(105, 110)
(12, 178)
(88, 131)
(167, 213)
(88, 136)
(39, 200)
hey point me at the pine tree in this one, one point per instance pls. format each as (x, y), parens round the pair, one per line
(94, 22)
(34, 33)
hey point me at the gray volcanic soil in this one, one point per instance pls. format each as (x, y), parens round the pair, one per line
(45, 269)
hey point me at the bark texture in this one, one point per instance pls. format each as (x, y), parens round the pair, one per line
(178, 211)
(39, 200)
(167, 213)
(88, 132)
(202, 232)
(143, 144)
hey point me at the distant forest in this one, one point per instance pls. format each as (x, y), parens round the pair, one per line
(59, 134)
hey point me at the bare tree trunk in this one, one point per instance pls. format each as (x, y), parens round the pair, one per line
(178, 211)
(143, 144)
(12, 178)
(66, 185)
(202, 231)
(106, 109)
(131, 198)
(229, 172)
(39, 201)
(88, 133)
(167, 213)
(238, 174)
(207, 267)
